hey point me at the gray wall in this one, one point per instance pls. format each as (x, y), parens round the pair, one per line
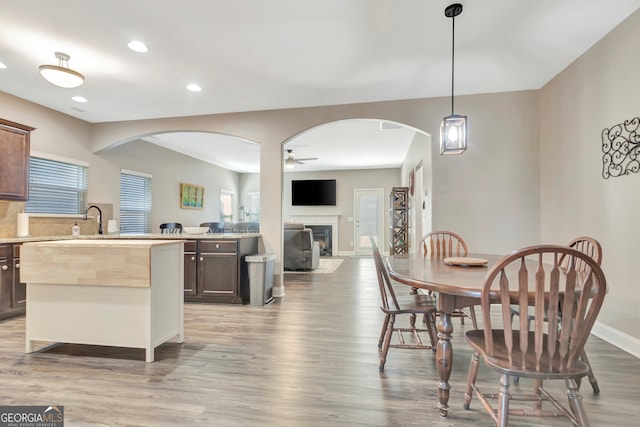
(169, 169)
(597, 91)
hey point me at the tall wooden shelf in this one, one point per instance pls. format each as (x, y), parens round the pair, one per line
(399, 218)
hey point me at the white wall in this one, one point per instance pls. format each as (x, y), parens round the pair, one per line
(598, 90)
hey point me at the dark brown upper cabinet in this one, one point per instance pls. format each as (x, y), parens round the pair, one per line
(14, 160)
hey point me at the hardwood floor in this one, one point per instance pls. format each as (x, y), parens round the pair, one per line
(308, 359)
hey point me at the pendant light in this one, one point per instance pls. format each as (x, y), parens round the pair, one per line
(453, 129)
(61, 75)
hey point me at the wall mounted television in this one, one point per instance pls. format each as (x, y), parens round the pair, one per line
(313, 192)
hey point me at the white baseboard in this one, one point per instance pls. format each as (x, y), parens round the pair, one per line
(615, 337)
(278, 291)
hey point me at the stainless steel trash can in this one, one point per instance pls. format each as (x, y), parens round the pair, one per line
(260, 278)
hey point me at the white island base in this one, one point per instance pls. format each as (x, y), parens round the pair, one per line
(100, 292)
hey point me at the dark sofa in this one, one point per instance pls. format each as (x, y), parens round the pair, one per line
(301, 252)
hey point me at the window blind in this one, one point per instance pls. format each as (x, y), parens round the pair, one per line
(135, 203)
(56, 187)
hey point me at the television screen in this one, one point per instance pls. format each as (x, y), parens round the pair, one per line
(313, 192)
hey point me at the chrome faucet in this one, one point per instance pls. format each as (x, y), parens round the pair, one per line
(99, 218)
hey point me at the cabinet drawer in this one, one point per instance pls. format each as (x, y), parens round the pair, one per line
(16, 250)
(5, 251)
(190, 246)
(216, 246)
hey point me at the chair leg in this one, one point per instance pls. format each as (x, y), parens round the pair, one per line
(503, 401)
(592, 377)
(387, 341)
(537, 387)
(471, 379)
(474, 320)
(383, 332)
(461, 314)
(576, 404)
(430, 322)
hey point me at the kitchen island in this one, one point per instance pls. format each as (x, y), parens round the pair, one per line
(124, 293)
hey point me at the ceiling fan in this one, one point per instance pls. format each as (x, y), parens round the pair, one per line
(290, 161)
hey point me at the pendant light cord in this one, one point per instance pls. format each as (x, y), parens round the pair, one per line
(453, 46)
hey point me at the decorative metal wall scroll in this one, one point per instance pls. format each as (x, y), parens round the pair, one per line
(621, 148)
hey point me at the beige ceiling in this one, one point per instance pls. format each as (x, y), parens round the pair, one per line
(250, 55)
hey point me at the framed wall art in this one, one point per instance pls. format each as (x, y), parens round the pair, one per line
(191, 196)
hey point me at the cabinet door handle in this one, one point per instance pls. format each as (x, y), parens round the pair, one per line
(201, 259)
(5, 268)
(18, 265)
(193, 258)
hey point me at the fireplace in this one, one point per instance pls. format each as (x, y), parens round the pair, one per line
(328, 221)
(322, 234)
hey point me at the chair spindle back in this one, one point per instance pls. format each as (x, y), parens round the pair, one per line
(443, 244)
(564, 295)
(387, 295)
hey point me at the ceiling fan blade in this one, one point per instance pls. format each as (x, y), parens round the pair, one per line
(309, 158)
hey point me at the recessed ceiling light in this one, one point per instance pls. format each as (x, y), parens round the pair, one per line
(79, 99)
(2, 65)
(194, 87)
(138, 46)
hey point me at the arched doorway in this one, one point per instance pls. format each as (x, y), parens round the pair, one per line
(357, 153)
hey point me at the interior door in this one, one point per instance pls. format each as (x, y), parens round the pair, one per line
(368, 218)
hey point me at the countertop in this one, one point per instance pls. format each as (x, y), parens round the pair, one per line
(183, 236)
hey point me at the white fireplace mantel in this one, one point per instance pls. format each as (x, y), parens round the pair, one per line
(331, 220)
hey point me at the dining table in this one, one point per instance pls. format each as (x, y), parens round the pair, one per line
(458, 285)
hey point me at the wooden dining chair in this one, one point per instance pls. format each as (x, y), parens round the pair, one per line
(591, 247)
(171, 228)
(394, 306)
(445, 244)
(536, 277)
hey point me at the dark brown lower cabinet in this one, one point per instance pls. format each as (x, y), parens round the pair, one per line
(190, 267)
(220, 270)
(19, 289)
(12, 291)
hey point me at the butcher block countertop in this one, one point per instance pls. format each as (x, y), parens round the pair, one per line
(98, 262)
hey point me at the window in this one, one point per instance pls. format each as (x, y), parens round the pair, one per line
(253, 211)
(226, 205)
(56, 187)
(135, 202)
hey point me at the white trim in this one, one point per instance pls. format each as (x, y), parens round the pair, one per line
(56, 158)
(618, 338)
(278, 291)
(144, 175)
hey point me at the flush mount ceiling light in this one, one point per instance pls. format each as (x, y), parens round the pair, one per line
(453, 129)
(61, 75)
